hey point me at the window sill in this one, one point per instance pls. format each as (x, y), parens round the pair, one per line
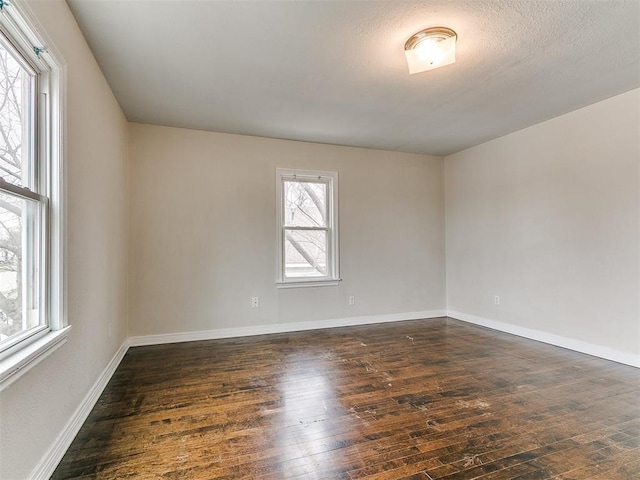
(309, 283)
(16, 365)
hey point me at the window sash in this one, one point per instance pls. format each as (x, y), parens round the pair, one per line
(34, 279)
(330, 180)
(290, 227)
(328, 254)
(29, 103)
(307, 179)
(22, 192)
(17, 37)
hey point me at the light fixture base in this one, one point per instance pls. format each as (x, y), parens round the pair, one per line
(435, 33)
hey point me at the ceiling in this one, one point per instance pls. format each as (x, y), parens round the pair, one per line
(335, 72)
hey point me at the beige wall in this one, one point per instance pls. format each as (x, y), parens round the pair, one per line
(204, 233)
(548, 219)
(34, 410)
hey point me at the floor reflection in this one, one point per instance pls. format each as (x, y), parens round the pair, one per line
(313, 419)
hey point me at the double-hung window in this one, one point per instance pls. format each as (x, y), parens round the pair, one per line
(31, 315)
(307, 206)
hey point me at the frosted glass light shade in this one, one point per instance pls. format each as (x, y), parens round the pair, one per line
(426, 51)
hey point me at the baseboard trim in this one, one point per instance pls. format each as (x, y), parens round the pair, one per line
(52, 458)
(544, 337)
(137, 341)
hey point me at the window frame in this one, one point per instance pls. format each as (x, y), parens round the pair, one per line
(28, 348)
(333, 254)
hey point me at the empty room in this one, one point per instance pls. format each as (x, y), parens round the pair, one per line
(320, 239)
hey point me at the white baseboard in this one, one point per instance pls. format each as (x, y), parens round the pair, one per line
(540, 336)
(280, 328)
(52, 458)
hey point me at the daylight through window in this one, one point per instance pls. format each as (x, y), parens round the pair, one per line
(29, 189)
(307, 226)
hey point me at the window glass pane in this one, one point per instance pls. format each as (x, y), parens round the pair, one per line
(19, 266)
(15, 114)
(305, 253)
(305, 204)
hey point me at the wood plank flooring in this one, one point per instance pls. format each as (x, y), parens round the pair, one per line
(426, 399)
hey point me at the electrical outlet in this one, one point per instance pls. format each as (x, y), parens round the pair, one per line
(255, 302)
(109, 330)
(496, 300)
(352, 300)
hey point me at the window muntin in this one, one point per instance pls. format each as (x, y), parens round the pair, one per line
(307, 227)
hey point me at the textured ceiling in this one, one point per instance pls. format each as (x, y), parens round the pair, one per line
(335, 72)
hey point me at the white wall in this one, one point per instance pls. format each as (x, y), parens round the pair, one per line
(34, 410)
(548, 219)
(204, 234)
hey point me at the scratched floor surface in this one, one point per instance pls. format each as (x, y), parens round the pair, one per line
(425, 399)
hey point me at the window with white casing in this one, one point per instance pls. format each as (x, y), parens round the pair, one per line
(307, 217)
(31, 293)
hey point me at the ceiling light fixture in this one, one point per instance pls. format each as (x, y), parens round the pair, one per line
(430, 48)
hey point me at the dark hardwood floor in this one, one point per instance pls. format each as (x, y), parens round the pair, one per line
(424, 399)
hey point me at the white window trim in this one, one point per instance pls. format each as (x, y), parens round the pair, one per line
(333, 237)
(21, 25)
(16, 365)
